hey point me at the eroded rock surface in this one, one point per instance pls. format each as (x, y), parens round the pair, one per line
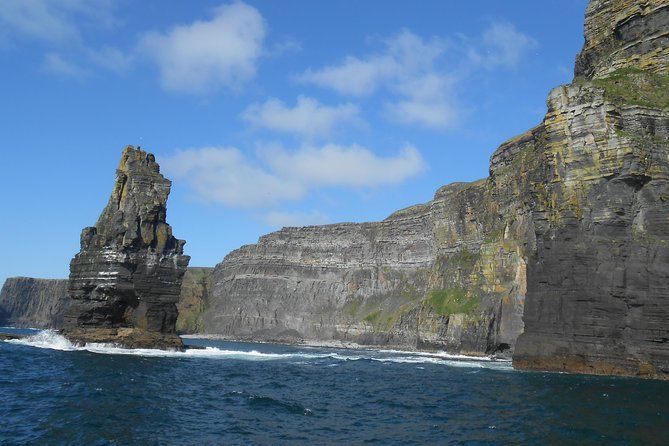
(33, 303)
(125, 281)
(448, 274)
(572, 225)
(598, 281)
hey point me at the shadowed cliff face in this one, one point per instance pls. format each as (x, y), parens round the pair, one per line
(33, 303)
(598, 282)
(129, 270)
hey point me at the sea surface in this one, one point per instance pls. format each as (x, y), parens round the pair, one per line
(240, 393)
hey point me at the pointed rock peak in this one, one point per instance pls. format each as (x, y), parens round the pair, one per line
(126, 280)
(135, 215)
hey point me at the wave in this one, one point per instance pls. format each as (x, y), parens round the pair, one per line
(50, 339)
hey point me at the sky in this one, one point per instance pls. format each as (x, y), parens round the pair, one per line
(263, 113)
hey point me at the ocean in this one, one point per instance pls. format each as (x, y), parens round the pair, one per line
(240, 393)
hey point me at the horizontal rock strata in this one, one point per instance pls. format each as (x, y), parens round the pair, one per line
(26, 302)
(598, 282)
(33, 303)
(125, 281)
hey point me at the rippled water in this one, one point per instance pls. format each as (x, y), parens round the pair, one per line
(238, 393)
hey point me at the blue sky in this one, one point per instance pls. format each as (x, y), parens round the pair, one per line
(263, 113)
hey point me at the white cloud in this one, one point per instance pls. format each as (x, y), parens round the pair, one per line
(56, 21)
(280, 219)
(404, 55)
(308, 118)
(224, 175)
(56, 64)
(420, 75)
(503, 45)
(427, 102)
(207, 55)
(408, 69)
(334, 165)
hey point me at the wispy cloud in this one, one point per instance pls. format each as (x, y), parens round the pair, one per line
(55, 21)
(405, 55)
(502, 45)
(225, 175)
(56, 64)
(420, 75)
(202, 56)
(308, 118)
(352, 166)
(407, 69)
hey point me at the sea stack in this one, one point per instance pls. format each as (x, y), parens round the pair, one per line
(125, 282)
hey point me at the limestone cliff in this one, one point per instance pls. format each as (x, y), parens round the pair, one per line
(41, 303)
(571, 225)
(33, 303)
(126, 280)
(598, 282)
(448, 274)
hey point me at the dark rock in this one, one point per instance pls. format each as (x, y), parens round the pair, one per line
(125, 281)
(33, 303)
(598, 280)
(622, 34)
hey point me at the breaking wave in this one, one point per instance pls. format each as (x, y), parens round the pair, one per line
(50, 339)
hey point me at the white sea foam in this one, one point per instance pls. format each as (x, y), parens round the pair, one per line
(50, 339)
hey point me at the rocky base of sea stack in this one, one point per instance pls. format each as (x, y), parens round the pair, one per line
(578, 364)
(124, 337)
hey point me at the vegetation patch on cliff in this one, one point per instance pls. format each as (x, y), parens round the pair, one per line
(452, 301)
(632, 86)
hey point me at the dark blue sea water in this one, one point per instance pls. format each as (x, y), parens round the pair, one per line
(237, 393)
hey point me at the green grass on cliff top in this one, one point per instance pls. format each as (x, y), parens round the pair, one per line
(631, 86)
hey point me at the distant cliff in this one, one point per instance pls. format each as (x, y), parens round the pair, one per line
(446, 274)
(41, 303)
(34, 303)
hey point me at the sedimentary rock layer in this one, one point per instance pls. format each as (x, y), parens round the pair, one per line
(125, 281)
(448, 274)
(598, 281)
(41, 303)
(34, 303)
(573, 218)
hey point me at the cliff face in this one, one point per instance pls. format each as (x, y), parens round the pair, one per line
(598, 282)
(570, 227)
(33, 303)
(194, 298)
(448, 274)
(126, 280)
(42, 303)
(624, 33)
